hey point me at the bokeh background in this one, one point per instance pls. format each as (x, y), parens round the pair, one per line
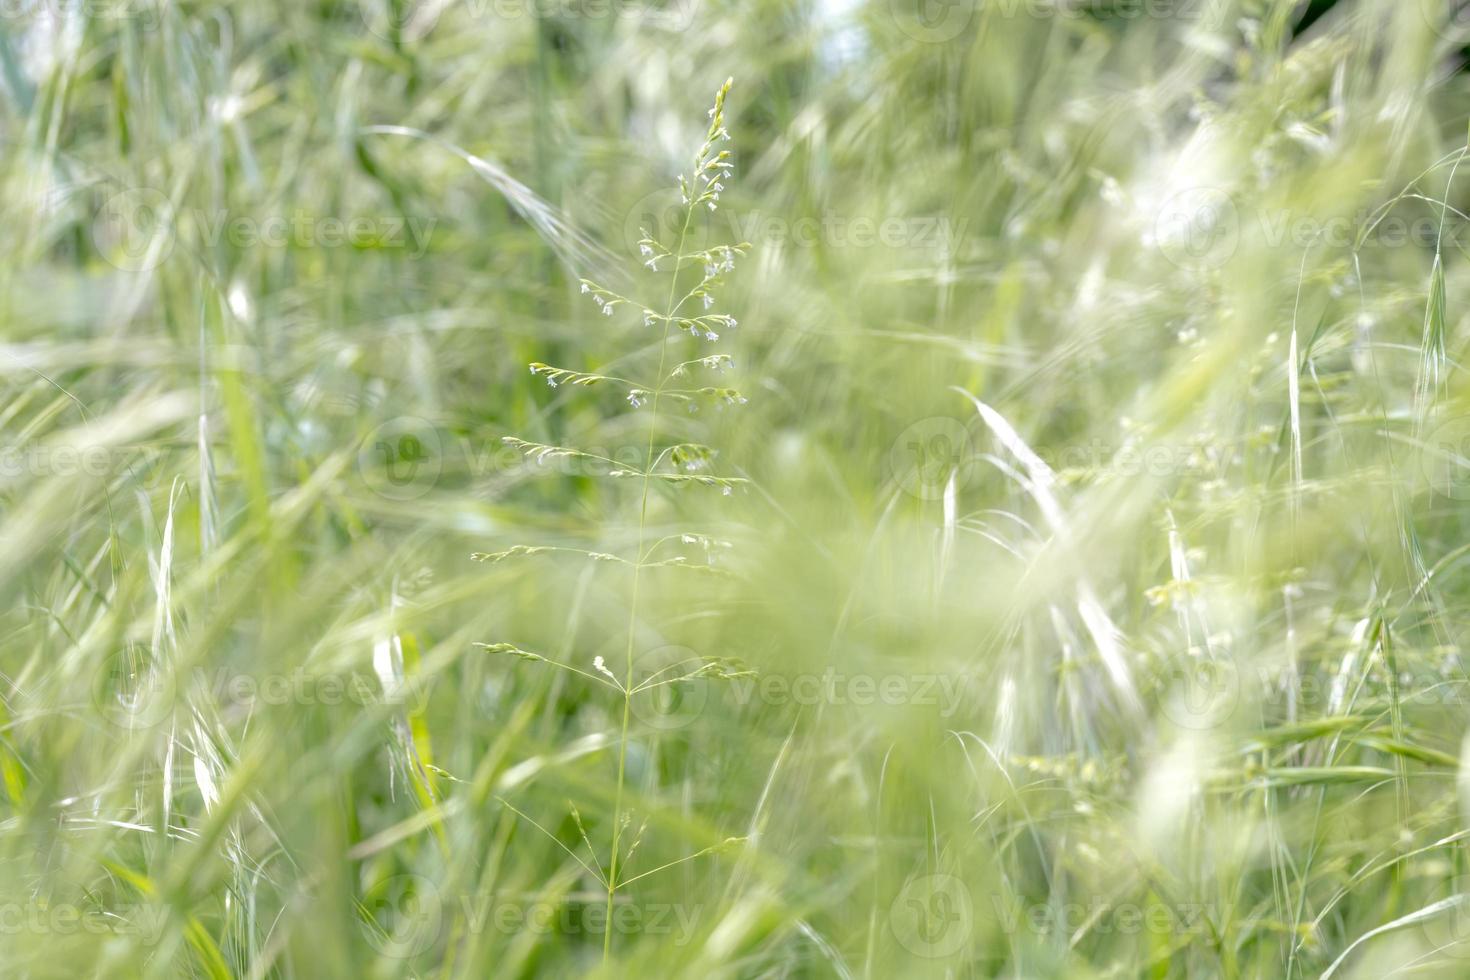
(1094, 604)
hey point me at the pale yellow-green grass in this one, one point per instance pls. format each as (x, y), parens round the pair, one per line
(1089, 599)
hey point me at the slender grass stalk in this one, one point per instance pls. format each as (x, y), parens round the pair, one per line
(669, 310)
(703, 187)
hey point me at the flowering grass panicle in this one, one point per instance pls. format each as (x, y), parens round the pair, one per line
(687, 314)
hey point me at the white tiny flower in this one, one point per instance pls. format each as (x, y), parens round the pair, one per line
(708, 301)
(585, 288)
(652, 263)
(712, 335)
(644, 249)
(607, 310)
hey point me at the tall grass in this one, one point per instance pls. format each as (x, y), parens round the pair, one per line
(676, 465)
(1090, 595)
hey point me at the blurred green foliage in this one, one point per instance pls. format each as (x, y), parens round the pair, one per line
(1099, 580)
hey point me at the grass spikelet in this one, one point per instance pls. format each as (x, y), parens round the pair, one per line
(701, 187)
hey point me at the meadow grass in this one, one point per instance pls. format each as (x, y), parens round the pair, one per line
(1088, 595)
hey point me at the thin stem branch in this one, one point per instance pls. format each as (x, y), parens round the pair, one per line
(612, 877)
(520, 813)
